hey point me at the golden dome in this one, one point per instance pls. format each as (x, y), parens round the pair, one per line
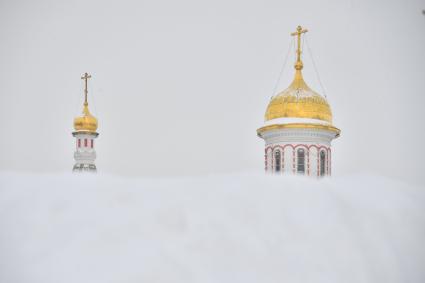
(298, 106)
(299, 101)
(86, 122)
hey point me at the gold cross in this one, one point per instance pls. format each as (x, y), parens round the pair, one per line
(300, 30)
(85, 78)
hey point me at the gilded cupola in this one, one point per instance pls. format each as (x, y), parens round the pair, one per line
(86, 122)
(298, 100)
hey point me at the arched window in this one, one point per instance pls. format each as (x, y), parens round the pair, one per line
(300, 161)
(322, 163)
(277, 161)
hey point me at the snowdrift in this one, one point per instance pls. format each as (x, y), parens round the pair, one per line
(228, 228)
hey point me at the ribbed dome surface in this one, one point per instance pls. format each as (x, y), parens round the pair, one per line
(299, 101)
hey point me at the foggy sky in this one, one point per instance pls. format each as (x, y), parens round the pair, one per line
(180, 87)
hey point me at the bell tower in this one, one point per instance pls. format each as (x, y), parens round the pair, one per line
(298, 128)
(85, 127)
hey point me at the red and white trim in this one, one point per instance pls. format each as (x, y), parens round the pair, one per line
(270, 150)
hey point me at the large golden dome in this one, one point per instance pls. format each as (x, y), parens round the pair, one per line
(298, 106)
(299, 101)
(86, 122)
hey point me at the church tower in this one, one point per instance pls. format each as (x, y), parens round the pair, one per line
(298, 128)
(85, 133)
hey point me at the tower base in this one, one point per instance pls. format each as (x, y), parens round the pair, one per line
(84, 168)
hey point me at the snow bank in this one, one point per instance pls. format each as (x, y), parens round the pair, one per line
(232, 228)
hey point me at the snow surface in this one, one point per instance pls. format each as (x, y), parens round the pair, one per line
(227, 228)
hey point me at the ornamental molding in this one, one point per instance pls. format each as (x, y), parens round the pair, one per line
(85, 134)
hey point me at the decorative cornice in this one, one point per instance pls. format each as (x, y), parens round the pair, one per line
(299, 126)
(95, 134)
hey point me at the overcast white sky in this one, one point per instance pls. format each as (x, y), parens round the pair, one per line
(180, 87)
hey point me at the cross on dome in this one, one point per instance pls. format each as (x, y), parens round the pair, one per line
(87, 122)
(300, 30)
(85, 78)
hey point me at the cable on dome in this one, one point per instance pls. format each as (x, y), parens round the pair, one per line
(283, 67)
(314, 66)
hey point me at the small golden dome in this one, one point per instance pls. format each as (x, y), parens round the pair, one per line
(299, 101)
(86, 122)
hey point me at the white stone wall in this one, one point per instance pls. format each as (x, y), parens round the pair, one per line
(288, 141)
